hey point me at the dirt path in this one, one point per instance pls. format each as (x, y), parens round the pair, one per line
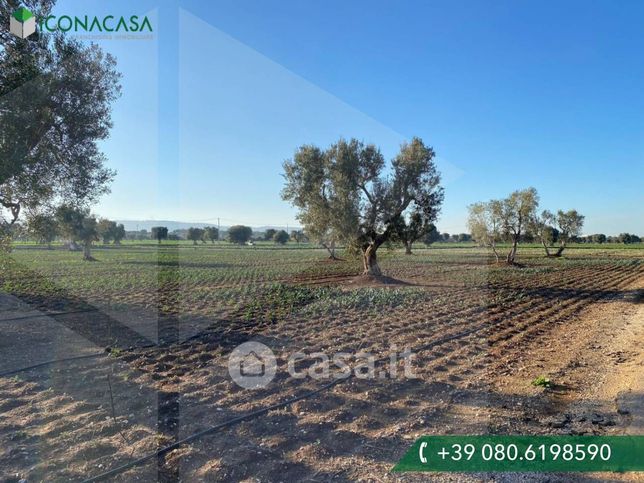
(594, 364)
(596, 367)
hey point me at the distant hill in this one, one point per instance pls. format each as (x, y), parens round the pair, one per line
(133, 225)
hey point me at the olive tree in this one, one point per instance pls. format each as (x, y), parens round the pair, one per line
(508, 219)
(79, 226)
(598, 238)
(517, 213)
(561, 227)
(110, 231)
(409, 230)
(343, 193)
(106, 230)
(297, 236)
(269, 234)
(211, 233)
(324, 214)
(159, 233)
(569, 223)
(239, 234)
(43, 227)
(281, 237)
(322, 231)
(485, 224)
(118, 234)
(432, 235)
(55, 108)
(627, 238)
(195, 234)
(543, 229)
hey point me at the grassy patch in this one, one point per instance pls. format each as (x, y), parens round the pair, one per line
(541, 381)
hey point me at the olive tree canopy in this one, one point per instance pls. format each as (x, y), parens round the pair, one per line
(324, 214)
(432, 235)
(159, 233)
(507, 219)
(211, 233)
(106, 229)
(485, 224)
(346, 194)
(269, 234)
(517, 212)
(43, 227)
(55, 106)
(78, 225)
(281, 237)
(566, 224)
(410, 229)
(239, 234)
(196, 234)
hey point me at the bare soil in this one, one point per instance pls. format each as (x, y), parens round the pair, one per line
(476, 353)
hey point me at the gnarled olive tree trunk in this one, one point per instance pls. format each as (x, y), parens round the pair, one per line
(545, 247)
(496, 253)
(557, 254)
(370, 260)
(331, 249)
(87, 255)
(407, 248)
(513, 251)
(560, 250)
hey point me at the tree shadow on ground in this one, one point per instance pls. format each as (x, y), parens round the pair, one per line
(599, 295)
(179, 264)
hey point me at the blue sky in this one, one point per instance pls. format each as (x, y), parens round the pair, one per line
(509, 94)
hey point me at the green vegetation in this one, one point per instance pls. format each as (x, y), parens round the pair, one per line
(239, 234)
(281, 237)
(109, 231)
(50, 146)
(268, 281)
(195, 235)
(541, 381)
(344, 194)
(211, 233)
(43, 227)
(515, 218)
(78, 225)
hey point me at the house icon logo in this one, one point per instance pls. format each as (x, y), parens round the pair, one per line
(22, 23)
(252, 365)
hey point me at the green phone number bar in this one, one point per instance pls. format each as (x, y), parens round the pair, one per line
(524, 453)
